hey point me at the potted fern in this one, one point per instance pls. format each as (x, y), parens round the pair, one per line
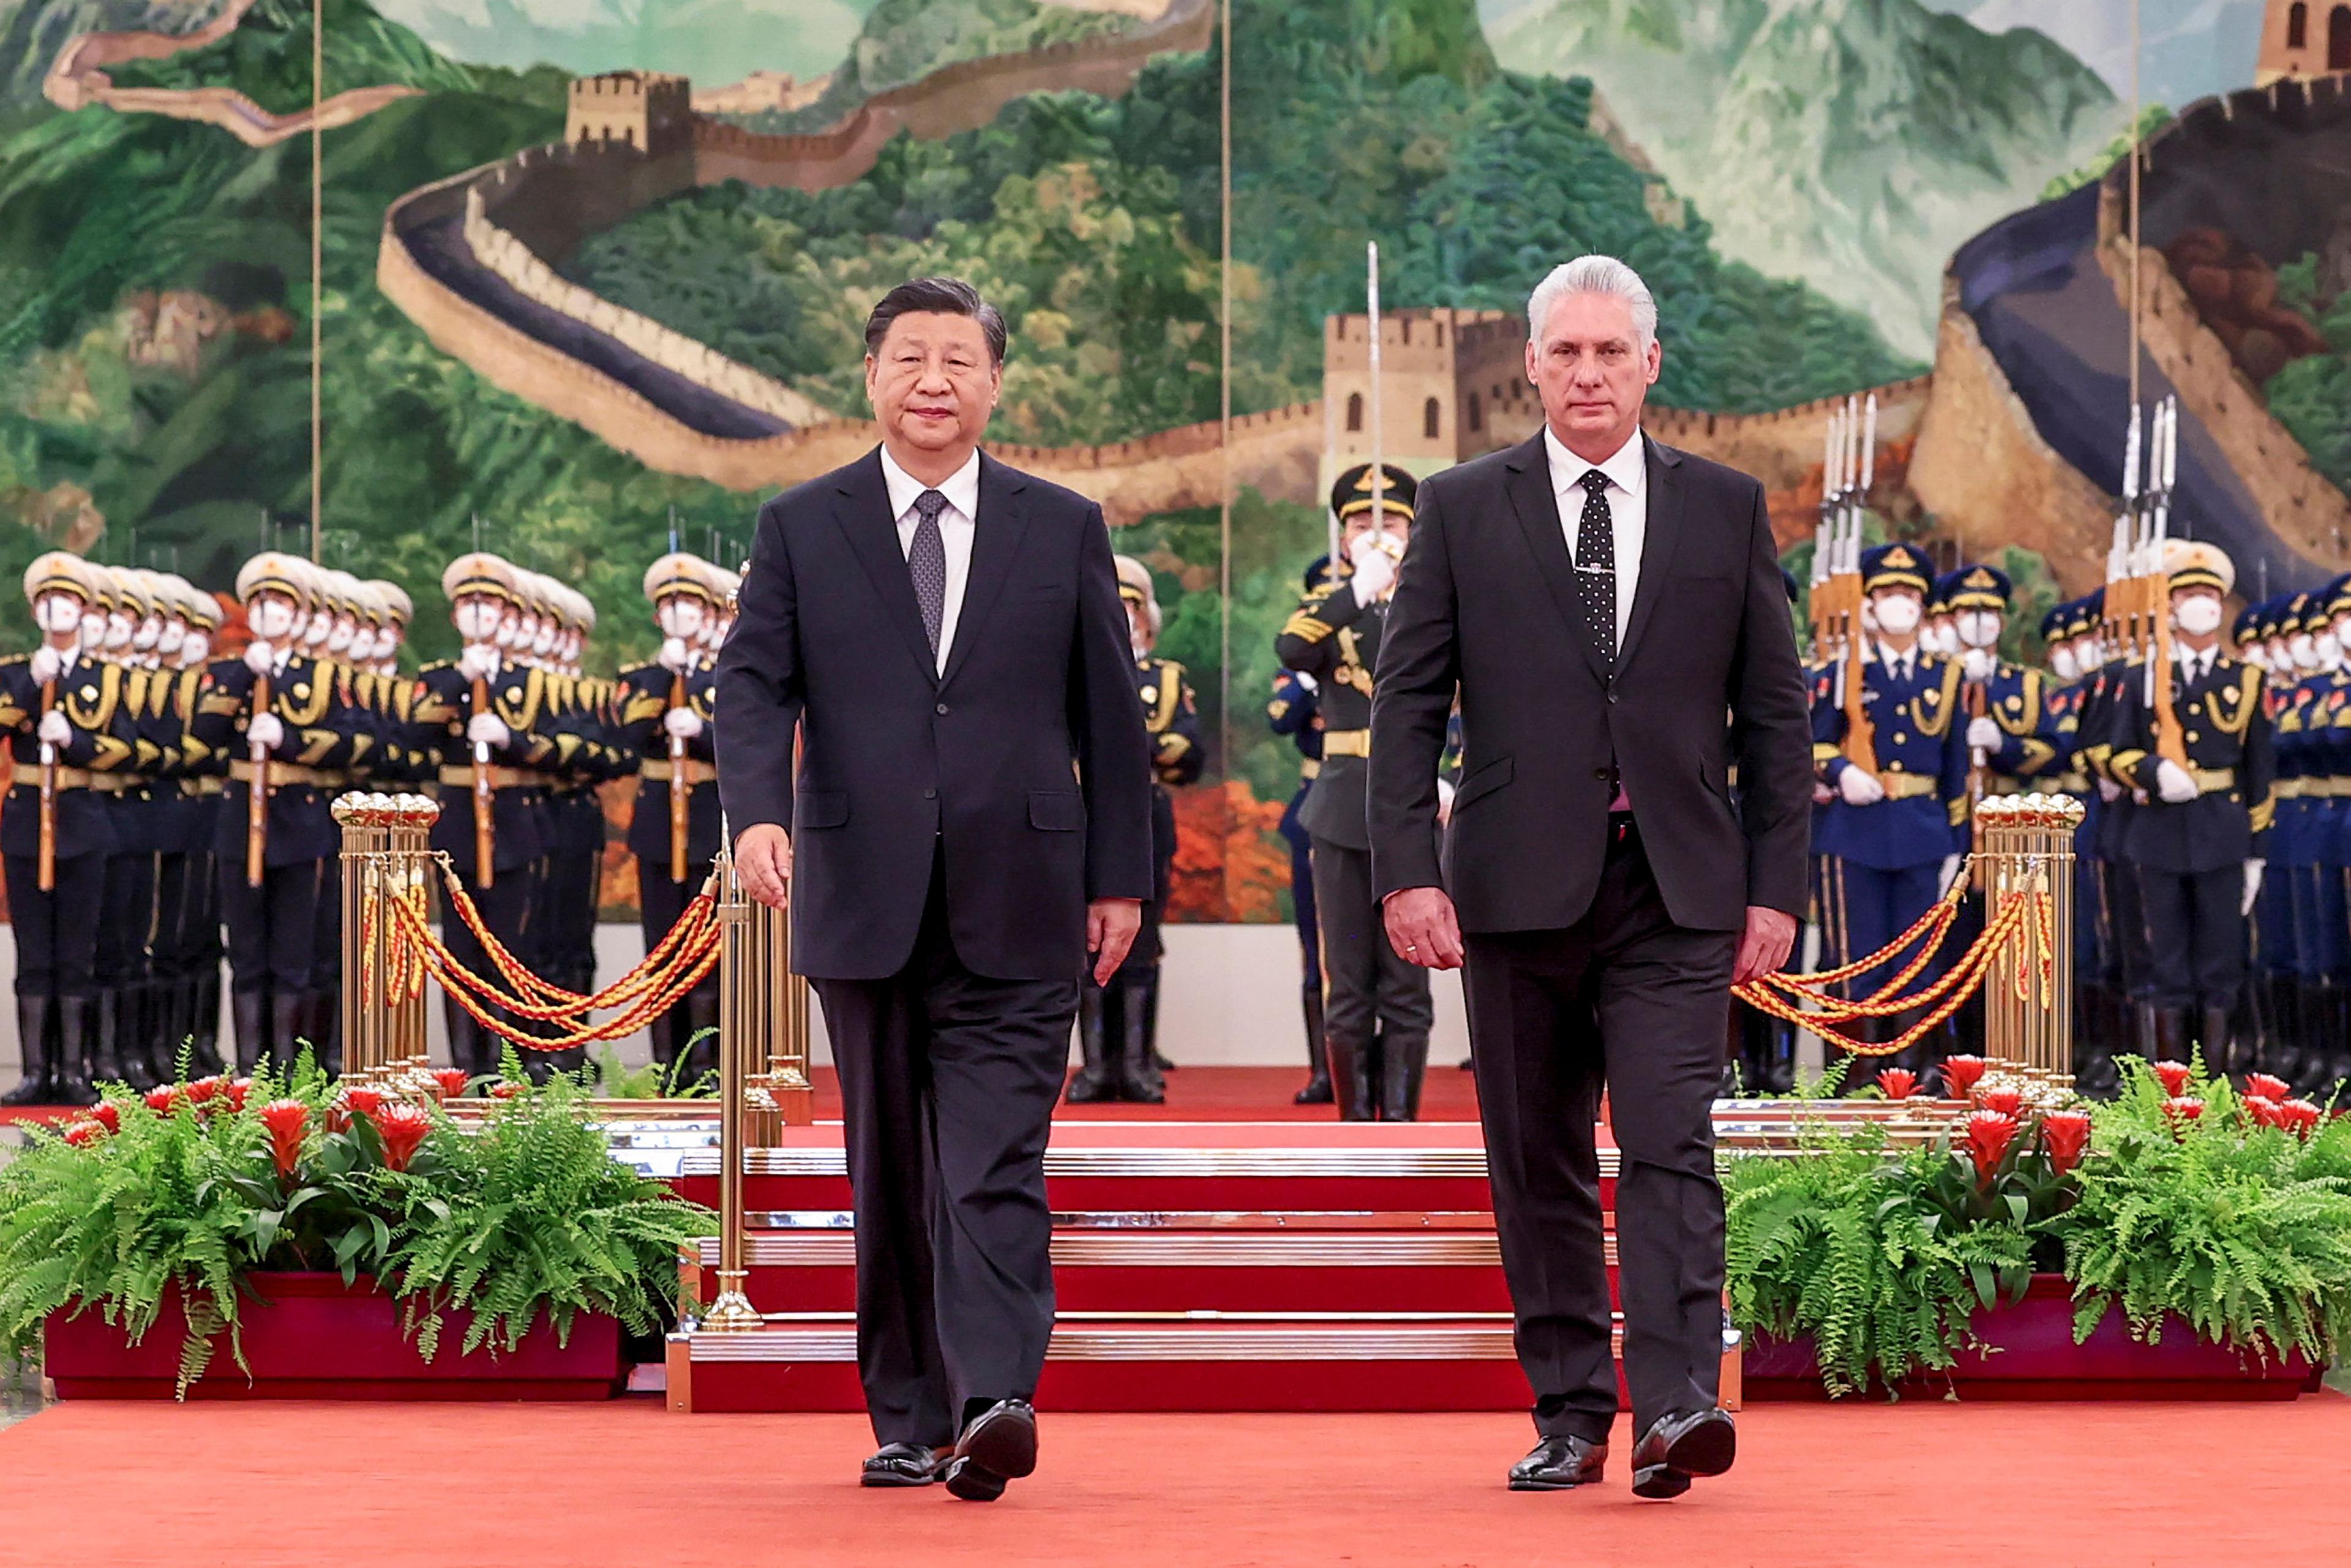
(337, 1241)
(2186, 1240)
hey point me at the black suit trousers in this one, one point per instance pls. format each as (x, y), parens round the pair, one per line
(948, 1082)
(1626, 999)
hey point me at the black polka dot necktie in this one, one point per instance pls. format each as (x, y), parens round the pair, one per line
(927, 562)
(1595, 566)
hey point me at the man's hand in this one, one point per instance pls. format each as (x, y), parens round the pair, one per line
(1110, 925)
(260, 657)
(47, 664)
(683, 723)
(1769, 938)
(478, 661)
(1423, 927)
(1375, 569)
(488, 729)
(763, 859)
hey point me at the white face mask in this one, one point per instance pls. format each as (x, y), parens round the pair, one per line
(573, 641)
(1869, 616)
(196, 649)
(1897, 614)
(1978, 628)
(58, 614)
(2330, 652)
(170, 638)
(387, 641)
(317, 630)
(2089, 654)
(679, 616)
(508, 628)
(271, 618)
(2060, 660)
(2199, 615)
(144, 636)
(542, 642)
(362, 645)
(339, 632)
(476, 620)
(118, 630)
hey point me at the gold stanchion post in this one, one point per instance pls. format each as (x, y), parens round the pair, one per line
(739, 964)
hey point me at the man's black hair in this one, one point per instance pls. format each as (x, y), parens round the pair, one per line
(942, 296)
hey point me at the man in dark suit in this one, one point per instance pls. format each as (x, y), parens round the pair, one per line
(971, 818)
(1612, 615)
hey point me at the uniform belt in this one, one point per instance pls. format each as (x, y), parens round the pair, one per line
(2292, 789)
(500, 777)
(1907, 786)
(209, 784)
(697, 771)
(2213, 780)
(2326, 788)
(1308, 768)
(2075, 783)
(73, 779)
(281, 773)
(1346, 743)
(2006, 784)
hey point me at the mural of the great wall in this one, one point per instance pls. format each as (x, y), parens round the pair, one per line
(590, 280)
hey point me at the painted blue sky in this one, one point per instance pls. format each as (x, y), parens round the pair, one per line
(2189, 48)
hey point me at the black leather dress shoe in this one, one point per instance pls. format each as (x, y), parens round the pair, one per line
(901, 1465)
(1677, 1448)
(999, 1445)
(1559, 1464)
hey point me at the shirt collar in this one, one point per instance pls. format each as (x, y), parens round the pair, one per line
(1627, 468)
(961, 487)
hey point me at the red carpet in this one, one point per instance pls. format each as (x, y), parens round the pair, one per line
(1923, 1485)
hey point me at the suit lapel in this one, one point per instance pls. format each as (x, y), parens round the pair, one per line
(1662, 535)
(862, 511)
(1528, 487)
(995, 542)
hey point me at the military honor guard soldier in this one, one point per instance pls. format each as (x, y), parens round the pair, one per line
(1117, 1032)
(1296, 712)
(1895, 836)
(2198, 844)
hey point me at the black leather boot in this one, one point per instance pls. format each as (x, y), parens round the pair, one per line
(1150, 1003)
(1318, 1083)
(2170, 1034)
(1404, 1063)
(288, 1035)
(325, 1027)
(1139, 1083)
(72, 1082)
(1351, 1077)
(41, 1084)
(1095, 1082)
(251, 1020)
(164, 1033)
(204, 1020)
(2216, 1038)
(106, 1042)
(2143, 1031)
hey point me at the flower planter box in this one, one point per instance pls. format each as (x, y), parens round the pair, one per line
(2033, 1356)
(313, 1337)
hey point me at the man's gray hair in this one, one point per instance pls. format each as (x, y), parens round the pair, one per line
(1595, 275)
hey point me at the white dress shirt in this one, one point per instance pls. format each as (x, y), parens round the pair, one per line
(1628, 508)
(2194, 665)
(958, 525)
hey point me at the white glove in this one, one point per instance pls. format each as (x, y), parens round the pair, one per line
(1860, 786)
(47, 664)
(54, 729)
(260, 657)
(1303, 679)
(479, 661)
(1374, 572)
(488, 729)
(1976, 663)
(2109, 791)
(675, 654)
(683, 723)
(1946, 874)
(2253, 883)
(2172, 783)
(266, 731)
(1984, 733)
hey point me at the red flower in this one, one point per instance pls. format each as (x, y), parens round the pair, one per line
(1989, 1133)
(81, 1132)
(403, 1127)
(2263, 1085)
(1897, 1082)
(2263, 1111)
(2180, 1110)
(159, 1099)
(2173, 1075)
(2299, 1117)
(2066, 1134)
(205, 1089)
(236, 1091)
(107, 1114)
(286, 1120)
(356, 1099)
(453, 1082)
(509, 1091)
(2007, 1101)
(1959, 1075)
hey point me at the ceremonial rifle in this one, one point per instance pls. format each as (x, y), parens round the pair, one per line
(1854, 470)
(484, 831)
(2163, 458)
(678, 792)
(48, 860)
(256, 795)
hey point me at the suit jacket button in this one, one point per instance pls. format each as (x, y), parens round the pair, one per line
(1612, 698)
(930, 794)
(1601, 774)
(943, 708)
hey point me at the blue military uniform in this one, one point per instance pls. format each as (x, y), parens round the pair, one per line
(2100, 1014)
(2189, 858)
(647, 693)
(1889, 853)
(1296, 712)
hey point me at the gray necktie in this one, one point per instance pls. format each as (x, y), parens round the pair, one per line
(927, 563)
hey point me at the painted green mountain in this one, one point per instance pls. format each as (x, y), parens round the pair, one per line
(1851, 143)
(712, 41)
(267, 57)
(35, 32)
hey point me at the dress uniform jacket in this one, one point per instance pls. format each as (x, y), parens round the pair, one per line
(1922, 757)
(1337, 640)
(89, 693)
(327, 734)
(438, 715)
(2226, 734)
(642, 697)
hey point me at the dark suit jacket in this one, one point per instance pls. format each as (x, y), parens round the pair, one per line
(1026, 765)
(1707, 675)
